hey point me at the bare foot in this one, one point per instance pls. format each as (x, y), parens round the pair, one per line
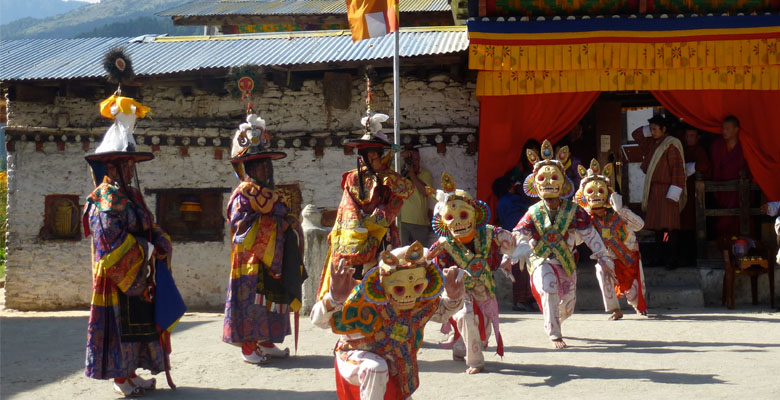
(559, 344)
(474, 370)
(616, 315)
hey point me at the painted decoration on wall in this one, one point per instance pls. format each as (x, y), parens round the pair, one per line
(244, 82)
(535, 8)
(718, 52)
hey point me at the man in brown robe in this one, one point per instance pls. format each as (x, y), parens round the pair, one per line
(664, 191)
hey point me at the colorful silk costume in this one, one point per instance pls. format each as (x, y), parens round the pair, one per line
(616, 226)
(546, 239)
(266, 269)
(258, 305)
(378, 347)
(122, 335)
(479, 256)
(370, 203)
(377, 212)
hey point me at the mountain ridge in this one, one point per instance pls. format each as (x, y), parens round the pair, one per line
(91, 17)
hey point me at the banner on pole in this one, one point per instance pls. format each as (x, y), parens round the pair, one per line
(372, 18)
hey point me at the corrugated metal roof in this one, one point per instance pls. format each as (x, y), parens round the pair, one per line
(34, 59)
(287, 7)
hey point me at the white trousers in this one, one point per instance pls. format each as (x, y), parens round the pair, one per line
(607, 285)
(469, 345)
(364, 369)
(558, 293)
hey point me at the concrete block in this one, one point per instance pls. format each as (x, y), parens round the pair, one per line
(315, 253)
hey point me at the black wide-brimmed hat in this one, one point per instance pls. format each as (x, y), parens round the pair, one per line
(117, 156)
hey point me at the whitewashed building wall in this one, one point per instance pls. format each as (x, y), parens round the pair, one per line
(56, 274)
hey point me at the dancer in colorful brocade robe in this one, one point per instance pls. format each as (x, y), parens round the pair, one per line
(381, 321)
(548, 233)
(469, 243)
(266, 270)
(123, 334)
(616, 224)
(371, 201)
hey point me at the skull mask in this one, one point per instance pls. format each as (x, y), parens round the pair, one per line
(548, 181)
(404, 276)
(458, 215)
(596, 193)
(403, 287)
(595, 185)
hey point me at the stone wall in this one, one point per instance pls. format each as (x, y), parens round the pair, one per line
(51, 140)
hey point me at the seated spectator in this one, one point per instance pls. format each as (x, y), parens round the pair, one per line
(511, 205)
(727, 162)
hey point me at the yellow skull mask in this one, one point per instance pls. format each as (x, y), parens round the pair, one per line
(549, 181)
(596, 193)
(594, 189)
(458, 215)
(404, 286)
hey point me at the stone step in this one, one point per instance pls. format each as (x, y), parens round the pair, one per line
(654, 277)
(666, 289)
(589, 299)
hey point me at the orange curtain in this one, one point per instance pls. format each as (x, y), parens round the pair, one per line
(759, 116)
(507, 122)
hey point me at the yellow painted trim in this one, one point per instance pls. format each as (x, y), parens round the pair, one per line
(507, 83)
(626, 56)
(291, 35)
(632, 34)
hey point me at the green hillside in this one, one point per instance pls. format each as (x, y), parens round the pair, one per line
(98, 18)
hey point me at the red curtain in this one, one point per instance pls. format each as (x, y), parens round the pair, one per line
(759, 116)
(507, 122)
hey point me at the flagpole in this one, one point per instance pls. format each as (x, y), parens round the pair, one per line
(396, 95)
(397, 111)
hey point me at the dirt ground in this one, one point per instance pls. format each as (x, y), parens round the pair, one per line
(687, 353)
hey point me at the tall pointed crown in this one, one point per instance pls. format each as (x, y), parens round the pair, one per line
(548, 157)
(449, 192)
(594, 173)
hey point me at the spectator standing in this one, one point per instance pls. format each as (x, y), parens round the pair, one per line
(415, 213)
(664, 191)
